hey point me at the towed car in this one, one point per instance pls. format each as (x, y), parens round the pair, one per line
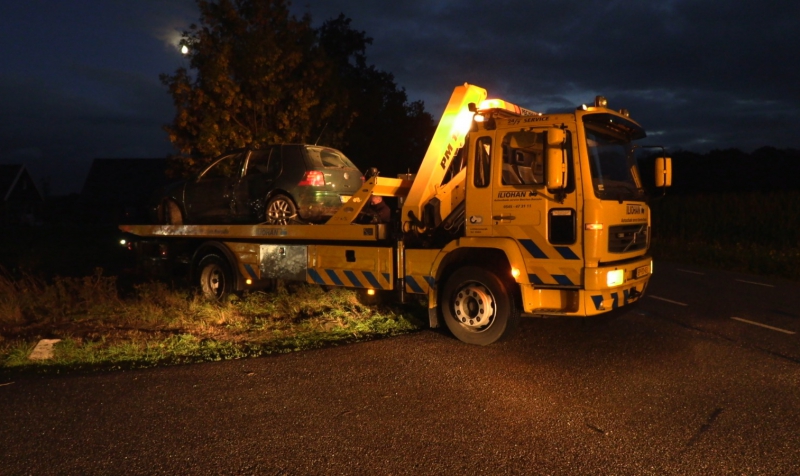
(278, 185)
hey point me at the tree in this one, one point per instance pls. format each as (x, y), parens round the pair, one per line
(386, 130)
(258, 74)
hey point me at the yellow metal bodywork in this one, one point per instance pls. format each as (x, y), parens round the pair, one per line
(248, 258)
(351, 266)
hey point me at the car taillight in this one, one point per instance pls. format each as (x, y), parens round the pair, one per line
(315, 178)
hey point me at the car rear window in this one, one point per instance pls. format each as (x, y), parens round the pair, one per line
(325, 157)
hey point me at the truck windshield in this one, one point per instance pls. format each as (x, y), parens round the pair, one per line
(611, 158)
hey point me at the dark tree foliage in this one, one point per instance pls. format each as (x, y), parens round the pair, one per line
(387, 131)
(257, 75)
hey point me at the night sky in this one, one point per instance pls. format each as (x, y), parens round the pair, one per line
(79, 78)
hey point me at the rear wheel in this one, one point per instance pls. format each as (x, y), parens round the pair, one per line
(479, 307)
(214, 277)
(280, 210)
(169, 213)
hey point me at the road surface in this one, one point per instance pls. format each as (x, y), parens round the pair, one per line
(702, 378)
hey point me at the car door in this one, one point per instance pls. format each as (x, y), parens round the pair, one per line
(262, 167)
(209, 198)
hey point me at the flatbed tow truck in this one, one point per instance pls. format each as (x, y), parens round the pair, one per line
(512, 212)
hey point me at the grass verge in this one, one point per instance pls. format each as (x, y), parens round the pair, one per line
(157, 325)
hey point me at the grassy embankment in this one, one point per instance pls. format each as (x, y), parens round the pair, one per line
(156, 324)
(52, 287)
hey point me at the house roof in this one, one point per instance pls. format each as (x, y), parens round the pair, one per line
(10, 176)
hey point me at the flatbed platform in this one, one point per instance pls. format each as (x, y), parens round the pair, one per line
(349, 232)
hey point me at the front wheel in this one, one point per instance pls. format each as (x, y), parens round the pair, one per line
(479, 307)
(214, 277)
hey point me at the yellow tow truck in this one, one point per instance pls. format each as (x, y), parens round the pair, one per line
(512, 212)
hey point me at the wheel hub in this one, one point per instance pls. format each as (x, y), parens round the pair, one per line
(213, 281)
(280, 212)
(474, 306)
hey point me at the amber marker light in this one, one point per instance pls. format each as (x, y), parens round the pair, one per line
(370, 292)
(515, 273)
(594, 226)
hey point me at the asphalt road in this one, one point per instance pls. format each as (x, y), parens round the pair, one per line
(675, 386)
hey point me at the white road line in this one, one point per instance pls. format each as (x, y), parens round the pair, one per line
(668, 300)
(690, 272)
(758, 284)
(762, 325)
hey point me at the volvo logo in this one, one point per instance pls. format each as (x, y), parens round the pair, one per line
(635, 209)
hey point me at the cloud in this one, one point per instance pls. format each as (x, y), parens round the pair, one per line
(80, 79)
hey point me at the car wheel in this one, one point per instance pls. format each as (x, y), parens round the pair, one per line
(169, 213)
(214, 277)
(281, 210)
(478, 307)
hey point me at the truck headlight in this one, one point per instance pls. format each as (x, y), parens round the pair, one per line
(615, 277)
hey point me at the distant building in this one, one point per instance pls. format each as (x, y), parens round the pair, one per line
(119, 190)
(22, 202)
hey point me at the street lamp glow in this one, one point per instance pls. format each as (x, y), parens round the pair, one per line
(184, 50)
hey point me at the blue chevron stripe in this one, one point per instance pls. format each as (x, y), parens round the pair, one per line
(412, 283)
(332, 274)
(562, 279)
(566, 252)
(535, 279)
(371, 278)
(315, 276)
(353, 278)
(534, 250)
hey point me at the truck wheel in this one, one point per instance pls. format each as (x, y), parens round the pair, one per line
(214, 277)
(280, 210)
(479, 307)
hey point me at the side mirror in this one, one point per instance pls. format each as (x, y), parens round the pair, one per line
(556, 159)
(663, 172)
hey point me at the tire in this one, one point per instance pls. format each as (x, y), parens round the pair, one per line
(479, 307)
(281, 210)
(214, 277)
(169, 213)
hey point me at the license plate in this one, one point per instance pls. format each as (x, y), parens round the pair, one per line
(642, 271)
(344, 198)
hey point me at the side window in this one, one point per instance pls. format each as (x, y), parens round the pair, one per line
(226, 167)
(264, 161)
(523, 158)
(483, 162)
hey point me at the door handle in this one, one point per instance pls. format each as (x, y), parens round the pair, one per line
(503, 217)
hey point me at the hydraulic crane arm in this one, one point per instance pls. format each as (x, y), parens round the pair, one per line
(448, 138)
